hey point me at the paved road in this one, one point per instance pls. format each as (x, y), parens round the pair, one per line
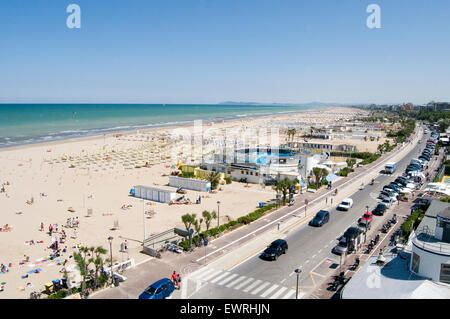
(308, 248)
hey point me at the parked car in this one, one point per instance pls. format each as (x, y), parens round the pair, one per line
(161, 289)
(275, 249)
(346, 204)
(379, 210)
(348, 241)
(387, 201)
(322, 217)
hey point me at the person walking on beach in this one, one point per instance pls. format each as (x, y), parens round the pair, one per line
(77, 222)
(50, 230)
(75, 233)
(42, 226)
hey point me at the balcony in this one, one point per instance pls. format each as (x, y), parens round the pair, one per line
(425, 239)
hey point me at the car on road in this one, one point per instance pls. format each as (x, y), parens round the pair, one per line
(275, 249)
(346, 204)
(322, 217)
(161, 289)
(379, 210)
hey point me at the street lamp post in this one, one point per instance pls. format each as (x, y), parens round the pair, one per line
(110, 249)
(143, 220)
(218, 215)
(298, 271)
(367, 209)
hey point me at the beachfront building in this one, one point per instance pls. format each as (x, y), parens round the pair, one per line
(317, 147)
(261, 165)
(431, 244)
(420, 269)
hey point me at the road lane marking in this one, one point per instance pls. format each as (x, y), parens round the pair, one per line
(268, 291)
(255, 291)
(242, 284)
(256, 283)
(227, 279)
(278, 293)
(231, 284)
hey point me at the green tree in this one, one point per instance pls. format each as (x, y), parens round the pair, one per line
(350, 162)
(284, 187)
(214, 179)
(319, 173)
(98, 263)
(197, 227)
(188, 220)
(83, 262)
(208, 217)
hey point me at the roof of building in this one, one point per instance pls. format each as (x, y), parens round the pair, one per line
(429, 220)
(392, 281)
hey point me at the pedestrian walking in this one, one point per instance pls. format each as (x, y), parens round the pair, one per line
(75, 233)
(42, 226)
(77, 222)
(50, 230)
(326, 200)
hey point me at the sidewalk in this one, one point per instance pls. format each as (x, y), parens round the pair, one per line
(251, 236)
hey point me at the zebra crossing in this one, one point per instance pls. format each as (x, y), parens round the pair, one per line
(249, 285)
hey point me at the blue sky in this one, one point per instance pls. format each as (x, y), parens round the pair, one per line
(208, 51)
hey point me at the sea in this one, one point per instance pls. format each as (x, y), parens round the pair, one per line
(22, 124)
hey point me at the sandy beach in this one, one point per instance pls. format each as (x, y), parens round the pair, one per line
(49, 183)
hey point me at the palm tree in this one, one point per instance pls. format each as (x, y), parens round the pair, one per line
(208, 217)
(284, 187)
(83, 264)
(214, 178)
(197, 227)
(319, 173)
(351, 162)
(188, 221)
(98, 262)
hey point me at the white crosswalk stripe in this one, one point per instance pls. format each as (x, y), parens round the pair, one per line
(219, 277)
(200, 273)
(254, 284)
(289, 294)
(208, 277)
(268, 291)
(231, 284)
(278, 293)
(255, 291)
(227, 279)
(243, 283)
(238, 282)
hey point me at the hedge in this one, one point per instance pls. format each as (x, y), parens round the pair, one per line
(412, 222)
(243, 220)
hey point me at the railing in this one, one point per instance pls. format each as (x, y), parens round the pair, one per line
(425, 238)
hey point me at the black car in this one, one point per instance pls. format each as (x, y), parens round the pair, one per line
(275, 249)
(321, 218)
(379, 210)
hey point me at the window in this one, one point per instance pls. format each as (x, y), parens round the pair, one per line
(445, 273)
(246, 172)
(251, 173)
(415, 263)
(256, 174)
(242, 172)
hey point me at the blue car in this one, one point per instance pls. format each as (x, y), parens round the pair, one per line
(161, 289)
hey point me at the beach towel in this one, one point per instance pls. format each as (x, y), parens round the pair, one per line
(37, 270)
